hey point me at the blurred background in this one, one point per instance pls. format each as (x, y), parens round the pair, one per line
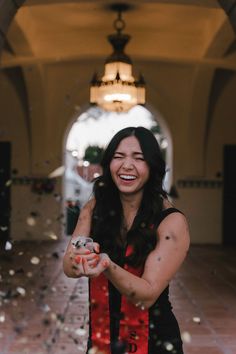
(52, 135)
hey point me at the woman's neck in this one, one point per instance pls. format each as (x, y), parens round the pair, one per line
(130, 205)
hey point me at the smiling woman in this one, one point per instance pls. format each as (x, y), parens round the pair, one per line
(129, 170)
(141, 240)
(94, 128)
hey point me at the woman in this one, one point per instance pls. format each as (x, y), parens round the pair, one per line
(140, 243)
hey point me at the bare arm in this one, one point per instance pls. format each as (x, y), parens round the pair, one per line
(82, 228)
(161, 265)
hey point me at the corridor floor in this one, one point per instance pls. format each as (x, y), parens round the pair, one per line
(44, 312)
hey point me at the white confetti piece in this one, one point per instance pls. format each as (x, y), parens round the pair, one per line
(196, 319)
(11, 272)
(21, 291)
(35, 260)
(31, 221)
(186, 337)
(8, 183)
(2, 317)
(51, 235)
(93, 350)
(8, 246)
(80, 331)
(169, 346)
(45, 308)
(53, 316)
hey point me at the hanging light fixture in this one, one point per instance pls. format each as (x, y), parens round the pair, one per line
(117, 90)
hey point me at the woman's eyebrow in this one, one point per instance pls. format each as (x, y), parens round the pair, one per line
(137, 153)
(133, 153)
(118, 152)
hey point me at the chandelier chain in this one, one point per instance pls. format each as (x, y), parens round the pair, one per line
(119, 23)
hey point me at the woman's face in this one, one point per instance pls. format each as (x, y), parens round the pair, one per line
(128, 168)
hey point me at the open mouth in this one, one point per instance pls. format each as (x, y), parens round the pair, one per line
(127, 177)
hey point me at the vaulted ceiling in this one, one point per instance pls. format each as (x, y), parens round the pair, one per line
(168, 30)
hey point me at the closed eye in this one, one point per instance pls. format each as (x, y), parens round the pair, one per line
(117, 157)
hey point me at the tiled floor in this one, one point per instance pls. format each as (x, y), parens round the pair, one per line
(44, 312)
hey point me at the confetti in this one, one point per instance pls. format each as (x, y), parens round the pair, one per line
(2, 317)
(197, 319)
(8, 246)
(168, 346)
(21, 291)
(8, 183)
(45, 308)
(51, 235)
(31, 221)
(80, 331)
(35, 260)
(186, 337)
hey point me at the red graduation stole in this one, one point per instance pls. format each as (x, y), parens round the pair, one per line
(134, 324)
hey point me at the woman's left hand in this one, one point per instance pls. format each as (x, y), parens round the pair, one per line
(94, 271)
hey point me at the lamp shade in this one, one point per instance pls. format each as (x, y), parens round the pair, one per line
(117, 90)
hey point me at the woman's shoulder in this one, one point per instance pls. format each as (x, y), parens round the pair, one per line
(89, 206)
(170, 215)
(172, 220)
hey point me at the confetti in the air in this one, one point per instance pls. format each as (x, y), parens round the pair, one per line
(186, 337)
(51, 235)
(2, 317)
(80, 331)
(168, 346)
(31, 221)
(8, 246)
(197, 319)
(21, 291)
(35, 260)
(8, 183)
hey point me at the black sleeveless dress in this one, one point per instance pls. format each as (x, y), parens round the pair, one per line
(161, 331)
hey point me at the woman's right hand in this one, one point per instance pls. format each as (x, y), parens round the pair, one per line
(73, 263)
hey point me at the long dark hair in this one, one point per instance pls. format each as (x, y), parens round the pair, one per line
(108, 214)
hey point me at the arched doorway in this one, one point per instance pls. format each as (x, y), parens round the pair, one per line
(85, 141)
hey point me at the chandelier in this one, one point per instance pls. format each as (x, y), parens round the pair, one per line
(117, 90)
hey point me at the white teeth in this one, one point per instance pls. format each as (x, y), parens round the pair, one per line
(127, 177)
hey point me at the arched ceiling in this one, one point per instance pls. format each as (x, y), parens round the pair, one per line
(188, 31)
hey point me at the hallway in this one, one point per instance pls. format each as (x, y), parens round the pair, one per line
(43, 312)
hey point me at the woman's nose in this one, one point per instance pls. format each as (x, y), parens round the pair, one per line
(128, 163)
